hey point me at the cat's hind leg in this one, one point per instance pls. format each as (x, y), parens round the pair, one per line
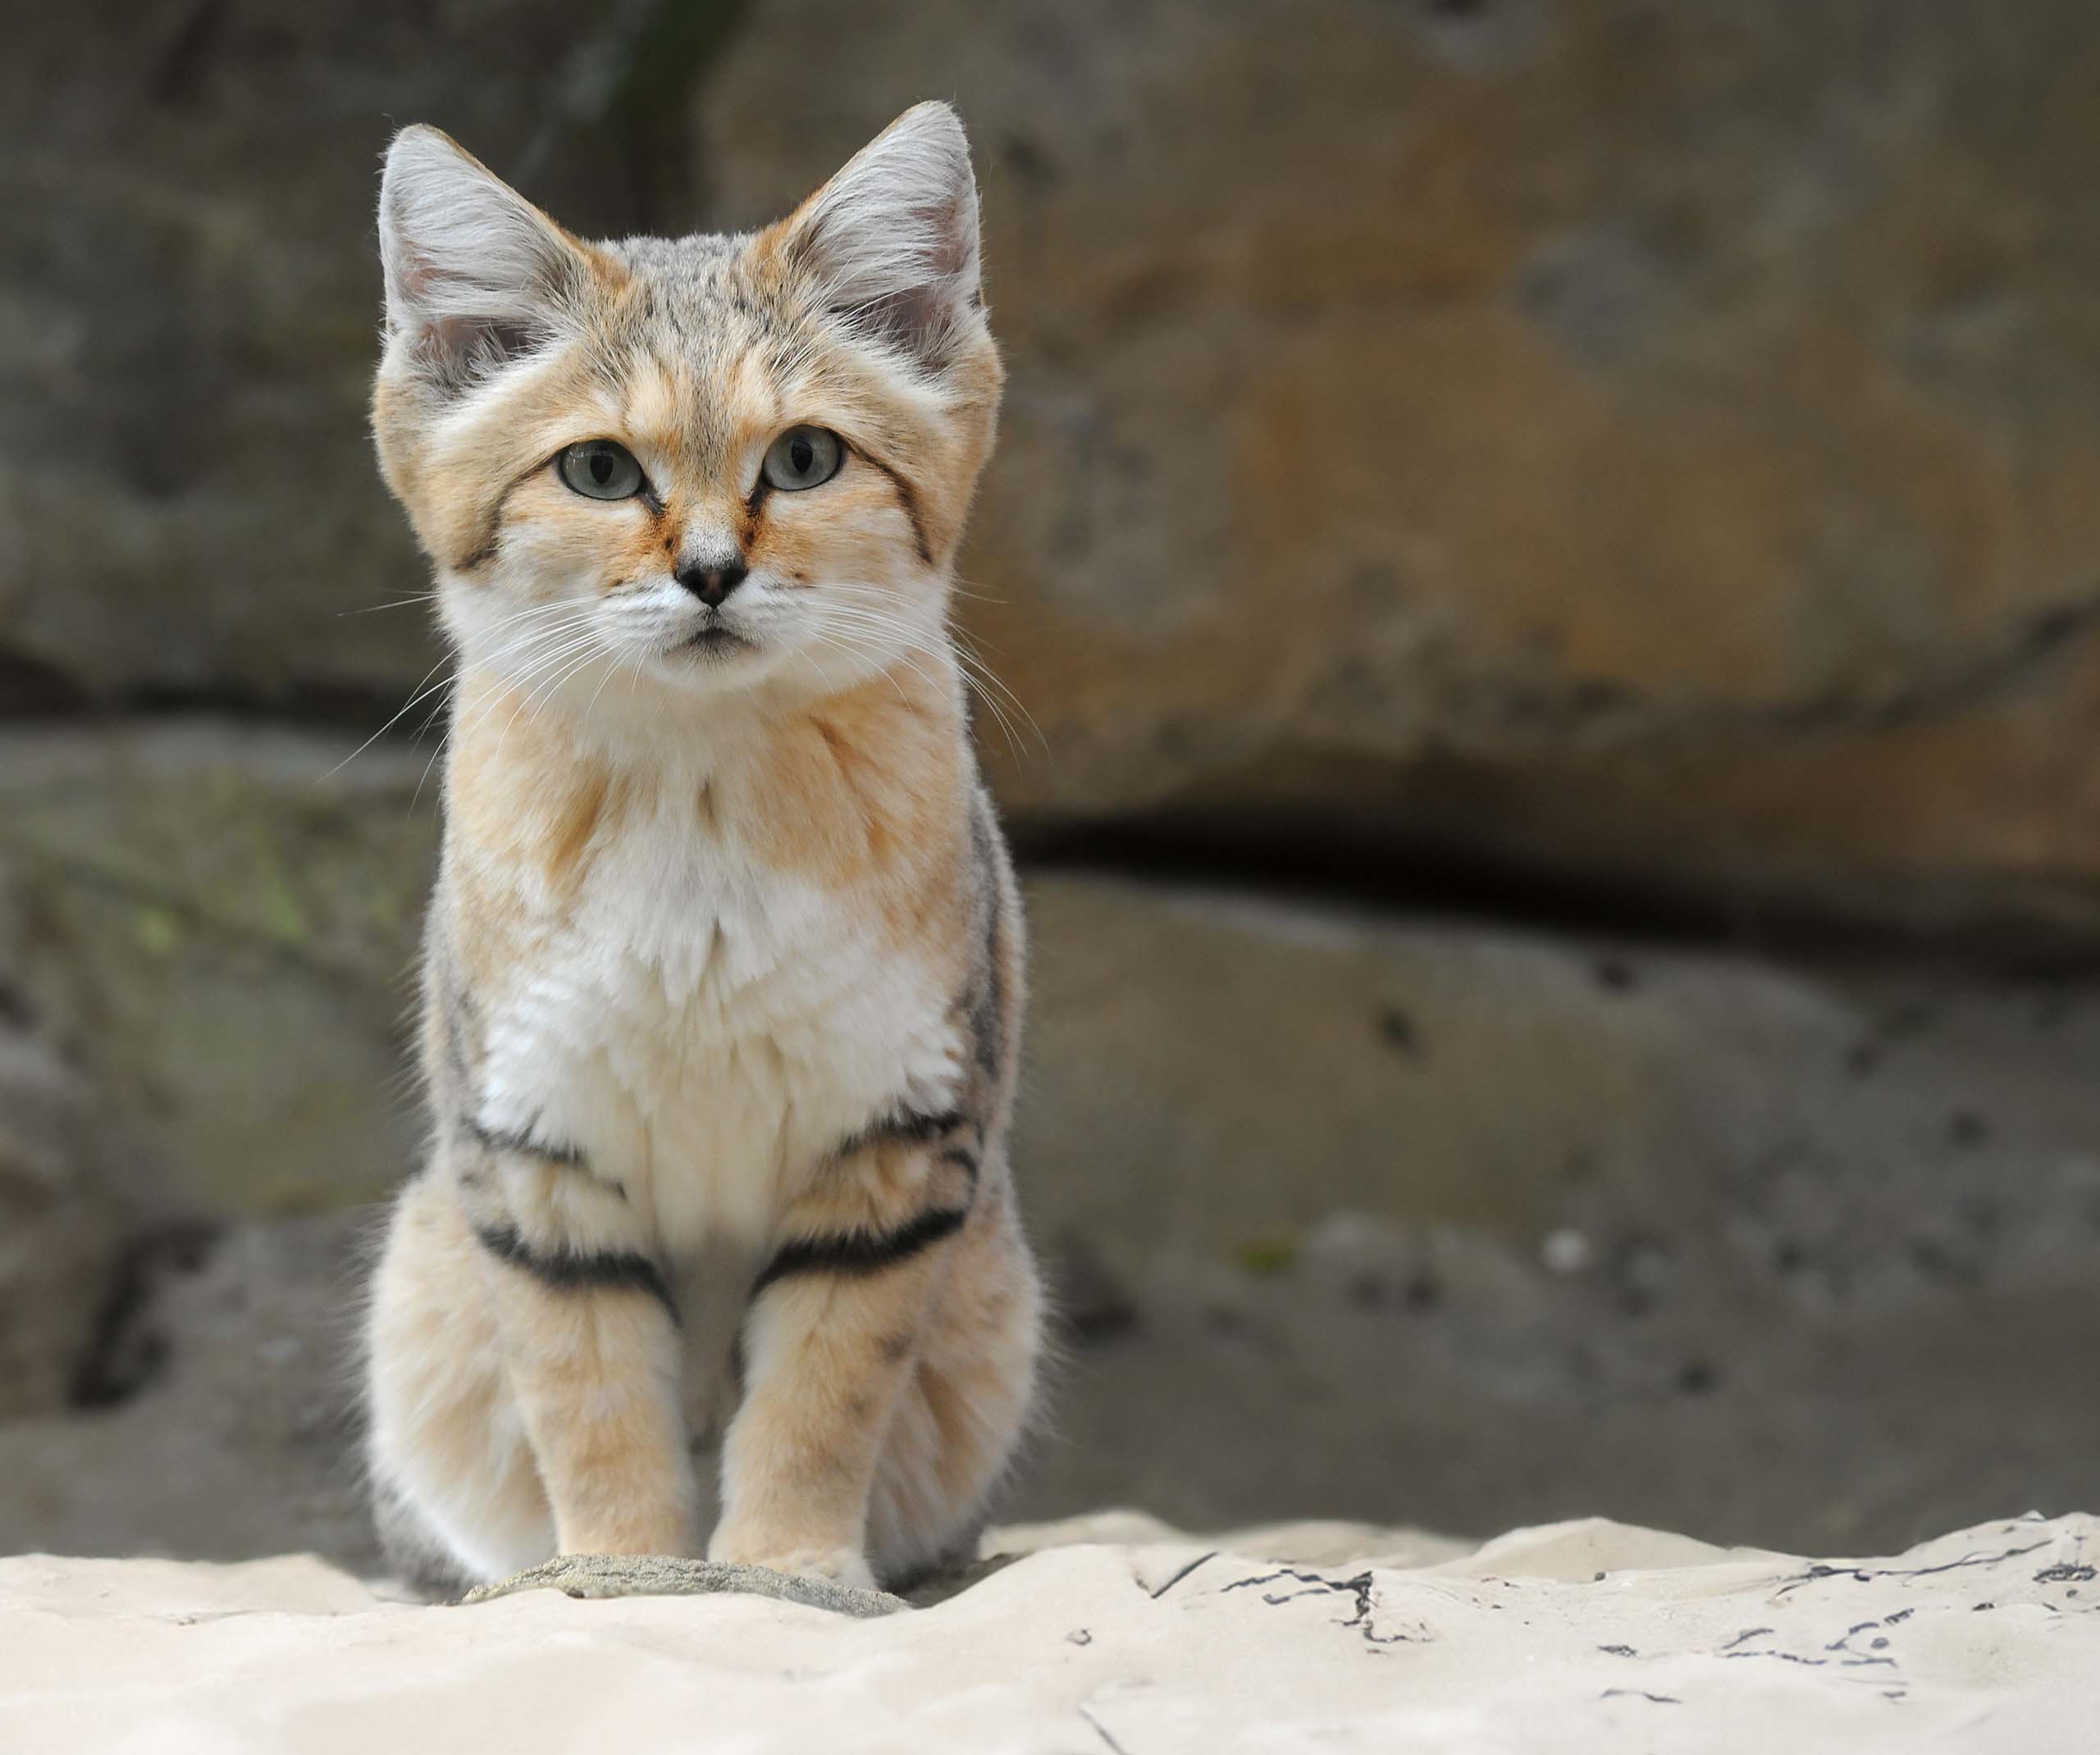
(967, 1403)
(456, 1496)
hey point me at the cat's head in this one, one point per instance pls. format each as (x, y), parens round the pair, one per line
(702, 462)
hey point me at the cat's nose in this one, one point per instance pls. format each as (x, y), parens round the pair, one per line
(712, 584)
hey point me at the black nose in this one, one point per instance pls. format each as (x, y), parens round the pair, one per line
(711, 585)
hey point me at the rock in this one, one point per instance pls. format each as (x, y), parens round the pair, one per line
(243, 1442)
(606, 1576)
(63, 1219)
(188, 502)
(1363, 1219)
(1572, 1638)
(1496, 1226)
(226, 918)
(1215, 1071)
(1608, 443)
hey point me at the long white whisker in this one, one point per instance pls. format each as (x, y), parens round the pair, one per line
(542, 662)
(546, 691)
(425, 688)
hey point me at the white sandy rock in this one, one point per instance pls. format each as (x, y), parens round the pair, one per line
(1574, 1637)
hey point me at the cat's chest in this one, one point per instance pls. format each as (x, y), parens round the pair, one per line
(705, 1031)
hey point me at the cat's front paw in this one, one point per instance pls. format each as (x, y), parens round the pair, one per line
(842, 1566)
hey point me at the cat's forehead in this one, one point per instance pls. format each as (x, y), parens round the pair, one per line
(695, 262)
(693, 345)
(696, 292)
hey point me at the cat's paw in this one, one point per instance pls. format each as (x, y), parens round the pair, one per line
(841, 1565)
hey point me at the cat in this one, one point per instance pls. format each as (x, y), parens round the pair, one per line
(723, 970)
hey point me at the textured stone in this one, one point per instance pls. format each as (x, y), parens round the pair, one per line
(188, 315)
(606, 1576)
(1363, 1219)
(1650, 445)
(225, 920)
(62, 1217)
(240, 1436)
(1218, 1071)
(1494, 1227)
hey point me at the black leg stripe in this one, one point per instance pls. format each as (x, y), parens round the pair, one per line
(524, 1145)
(909, 1126)
(860, 1253)
(610, 1270)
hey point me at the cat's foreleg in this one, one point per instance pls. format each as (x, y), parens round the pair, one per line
(832, 1337)
(591, 1347)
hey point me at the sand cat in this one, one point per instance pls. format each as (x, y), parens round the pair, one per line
(723, 972)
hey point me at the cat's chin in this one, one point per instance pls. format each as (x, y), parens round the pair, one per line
(717, 645)
(714, 661)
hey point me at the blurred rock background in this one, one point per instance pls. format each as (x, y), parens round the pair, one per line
(1550, 553)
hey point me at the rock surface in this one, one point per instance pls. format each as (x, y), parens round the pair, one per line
(596, 1577)
(63, 1218)
(224, 921)
(1573, 1637)
(1639, 445)
(236, 1434)
(1370, 1219)
(1642, 442)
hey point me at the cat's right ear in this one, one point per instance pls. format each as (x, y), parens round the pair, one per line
(476, 275)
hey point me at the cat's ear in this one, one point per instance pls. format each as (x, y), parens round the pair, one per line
(892, 240)
(476, 274)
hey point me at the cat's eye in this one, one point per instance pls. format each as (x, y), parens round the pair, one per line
(600, 469)
(803, 456)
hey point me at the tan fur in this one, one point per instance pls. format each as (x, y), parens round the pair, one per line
(724, 977)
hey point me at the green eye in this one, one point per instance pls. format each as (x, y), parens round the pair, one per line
(803, 456)
(598, 469)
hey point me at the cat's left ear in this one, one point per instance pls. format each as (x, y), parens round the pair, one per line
(892, 240)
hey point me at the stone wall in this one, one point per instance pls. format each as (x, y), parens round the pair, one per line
(1648, 444)
(1509, 450)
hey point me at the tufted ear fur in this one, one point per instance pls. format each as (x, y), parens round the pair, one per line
(892, 240)
(476, 275)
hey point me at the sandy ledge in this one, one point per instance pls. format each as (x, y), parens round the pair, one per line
(1110, 1634)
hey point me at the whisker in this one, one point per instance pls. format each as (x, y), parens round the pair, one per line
(400, 602)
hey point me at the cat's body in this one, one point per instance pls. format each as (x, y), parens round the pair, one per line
(723, 972)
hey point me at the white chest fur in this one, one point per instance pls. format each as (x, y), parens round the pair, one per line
(706, 1030)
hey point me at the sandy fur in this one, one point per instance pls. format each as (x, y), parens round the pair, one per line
(723, 970)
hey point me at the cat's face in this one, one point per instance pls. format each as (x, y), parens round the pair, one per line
(693, 464)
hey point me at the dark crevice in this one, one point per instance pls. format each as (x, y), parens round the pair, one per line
(128, 1349)
(1411, 854)
(34, 693)
(1288, 854)
(1281, 858)
(31, 688)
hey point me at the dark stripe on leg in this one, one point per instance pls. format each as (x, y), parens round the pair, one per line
(611, 1271)
(860, 1253)
(908, 1127)
(523, 1145)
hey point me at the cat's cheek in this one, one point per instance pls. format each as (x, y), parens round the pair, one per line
(852, 529)
(563, 546)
